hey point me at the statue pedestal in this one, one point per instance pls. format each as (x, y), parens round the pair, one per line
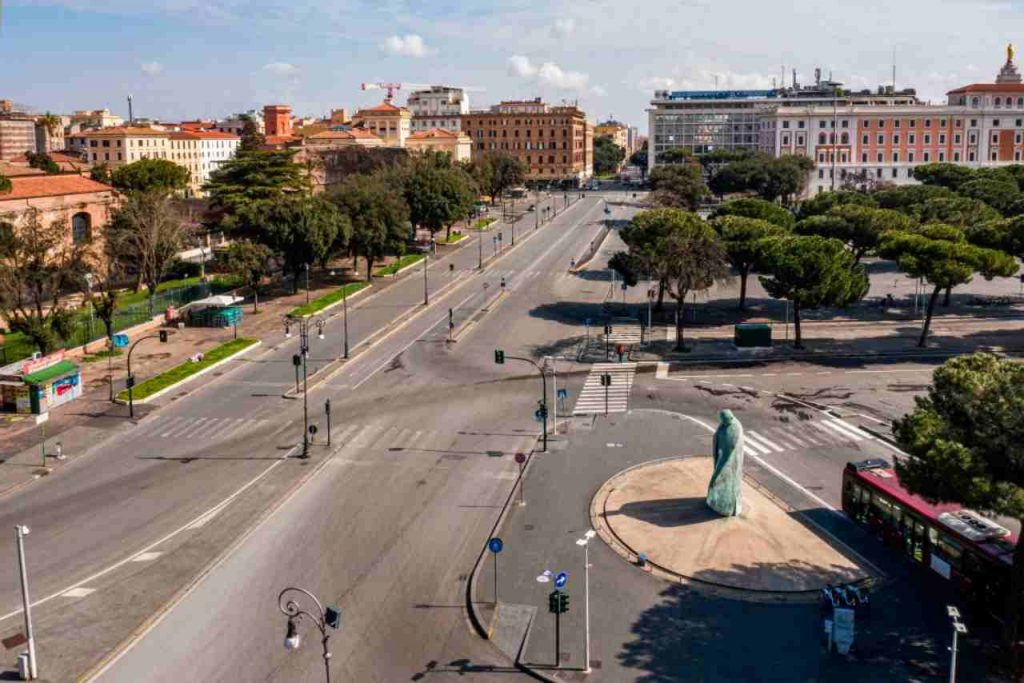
(659, 509)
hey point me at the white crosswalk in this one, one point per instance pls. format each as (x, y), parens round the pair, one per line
(810, 434)
(625, 333)
(593, 395)
(188, 427)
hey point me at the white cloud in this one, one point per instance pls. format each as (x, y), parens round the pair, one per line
(564, 27)
(281, 69)
(598, 90)
(410, 45)
(548, 73)
(518, 65)
(152, 68)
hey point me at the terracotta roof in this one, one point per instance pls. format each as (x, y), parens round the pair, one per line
(989, 87)
(383, 108)
(27, 187)
(281, 139)
(12, 170)
(434, 133)
(202, 135)
(348, 134)
(66, 158)
(120, 131)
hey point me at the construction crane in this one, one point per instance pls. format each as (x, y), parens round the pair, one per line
(392, 87)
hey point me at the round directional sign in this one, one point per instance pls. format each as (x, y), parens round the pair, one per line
(520, 457)
(495, 545)
(313, 429)
(561, 579)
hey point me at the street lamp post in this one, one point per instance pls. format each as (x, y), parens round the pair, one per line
(323, 618)
(33, 670)
(306, 265)
(958, 630)
(585, 543)
(162, 336)
(480, 254)
(301, 359)
(426, 296)
(499, 357)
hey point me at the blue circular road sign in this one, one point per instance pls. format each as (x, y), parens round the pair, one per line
(561, 580)
(495, 545)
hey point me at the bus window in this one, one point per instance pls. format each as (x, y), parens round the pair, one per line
(913, 538)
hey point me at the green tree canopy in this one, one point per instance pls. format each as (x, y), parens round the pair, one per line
(906, 197)
(757, 208)
(438, 197)
(252, 139)
(947, 175)
(5, 184)
(965, 444)
(674, 156)
(858, 227)
(150, 175)
(303, 230)
(824, 201)
(608, 156)
(251, 261)
(43, 162)
(942, 256)
(955, 210)
(255, 177)
(639, 158)
(1000, 191)
(811, 272)
(101, 174)
(744, 242)
(678, 186)
(378, 214)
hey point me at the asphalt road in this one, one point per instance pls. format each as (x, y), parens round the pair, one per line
(390, 524)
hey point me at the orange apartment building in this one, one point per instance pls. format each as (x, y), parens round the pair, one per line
(556, 143)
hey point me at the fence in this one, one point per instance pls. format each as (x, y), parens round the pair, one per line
(88, 328)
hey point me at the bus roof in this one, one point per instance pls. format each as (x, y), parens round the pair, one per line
(881, 476)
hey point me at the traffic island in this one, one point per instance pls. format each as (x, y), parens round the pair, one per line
(654, 515)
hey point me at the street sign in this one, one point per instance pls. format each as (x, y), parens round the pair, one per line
(520, 458)
(312, 429)
(332, 616)
(130, 382)
(561, 579)
(495, 545)
(563, 393)
(624, 287)
(120, 341)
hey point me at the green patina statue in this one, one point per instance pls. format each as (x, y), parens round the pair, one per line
(724, 491)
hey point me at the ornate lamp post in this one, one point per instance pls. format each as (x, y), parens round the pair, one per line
(323, 618)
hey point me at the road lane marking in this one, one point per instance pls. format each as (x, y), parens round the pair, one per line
(762, 440)
(79, 592)
(850, 429)
(147, 557)
(841, 432)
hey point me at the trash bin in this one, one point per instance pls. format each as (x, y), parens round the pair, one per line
(753, 335)
(171, 314)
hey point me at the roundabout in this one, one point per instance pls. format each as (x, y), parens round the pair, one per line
(769, 552)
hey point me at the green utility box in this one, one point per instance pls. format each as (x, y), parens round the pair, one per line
(753, 336)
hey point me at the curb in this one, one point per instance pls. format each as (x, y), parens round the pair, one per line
(813, 357)
(599, 240)
(185, 380)
(339, 302)
(404, 268)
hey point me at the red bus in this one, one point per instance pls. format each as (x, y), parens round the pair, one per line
(973, 552)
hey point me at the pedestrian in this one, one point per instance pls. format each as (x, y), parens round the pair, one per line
(60, 451)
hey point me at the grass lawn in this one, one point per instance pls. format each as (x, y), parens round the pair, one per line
(322, 302)
(483, 223)
(406, 260)
(456, 237)
(186, 370)
(217, 282)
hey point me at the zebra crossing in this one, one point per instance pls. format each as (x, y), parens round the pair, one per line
(625, 331)
(189, 427)
(592, 397)
(811, 434)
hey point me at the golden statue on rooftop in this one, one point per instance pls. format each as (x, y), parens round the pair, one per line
(1009, 53)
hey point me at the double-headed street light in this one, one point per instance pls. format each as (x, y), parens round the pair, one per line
(958, 630)
(585, 543)
(298, 359)
(323, 618)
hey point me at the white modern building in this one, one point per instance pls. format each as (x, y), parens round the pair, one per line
(439, 107)
(201, 152)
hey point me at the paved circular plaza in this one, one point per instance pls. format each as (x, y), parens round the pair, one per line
(658, 509)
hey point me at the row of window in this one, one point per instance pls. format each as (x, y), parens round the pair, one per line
(493, 133)
(844, 139)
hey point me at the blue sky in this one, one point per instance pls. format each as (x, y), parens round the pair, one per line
(208, 58)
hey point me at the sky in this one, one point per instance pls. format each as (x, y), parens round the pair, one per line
(185, 59)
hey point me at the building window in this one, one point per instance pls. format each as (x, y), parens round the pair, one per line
(895, 157)
(972, 139)
(913, 122)
(1016, 155)
(800, 140)
(974, 123)
(881, 139)
(821, 173)
(81, 228)
(867, 123)
(845, 124)
(881, 123)
(896, 123)
(821, 138)
(942, 156)
(880, 157)
(785, 124)
(821, 124)
(896, 138)
(845, 138)
(821, 158)
(785, 140)
(911, 138)
(878, 173)
(995, 138)
(958, 122)
(927, 123)
(895, 173)
(995, 123)
(974, 102)
(927, 139)
(863, 139)
(864, 157)
(970, 156)
(927, 157)
(994, 156)
(942, 138)
(799, 124)
(999, 102)
(910, 157)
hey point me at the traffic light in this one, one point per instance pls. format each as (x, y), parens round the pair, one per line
(296, 360)
(542, 410)
(163, 336)
(499, 356)
(553, 602)
(607, 328)
(332, 616)
(563, 602)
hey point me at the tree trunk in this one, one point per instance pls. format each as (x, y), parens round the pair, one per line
(661, 295)
(448, 233)
(1011, 625)
(680, 322)
(949, 292)
(743, 287)
(255, 298)
(369, 268)
(799, 340)
(928, 316)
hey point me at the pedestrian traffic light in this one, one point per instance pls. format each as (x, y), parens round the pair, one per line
(296, 360)
(607, 328)
(499, 356)
(553, 602)
(563, 602)
(163, 336)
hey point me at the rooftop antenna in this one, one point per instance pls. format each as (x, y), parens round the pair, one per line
(794, 79)
(131, 119)
(894, 69)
